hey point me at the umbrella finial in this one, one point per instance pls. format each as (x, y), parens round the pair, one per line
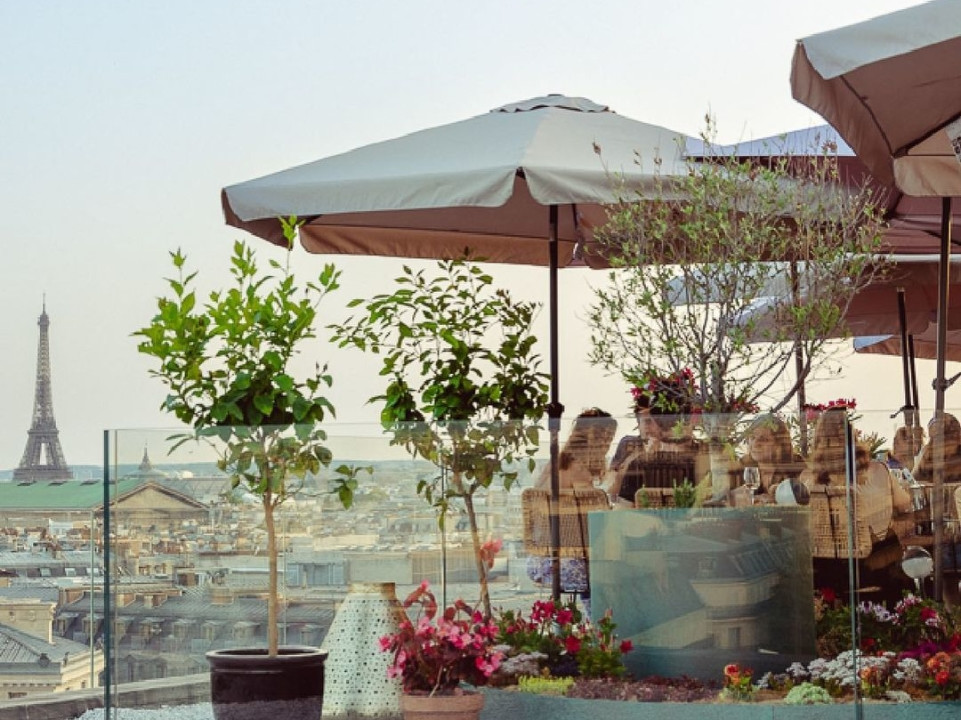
(554, 100)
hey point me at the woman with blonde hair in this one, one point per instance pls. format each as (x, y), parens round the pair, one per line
(828, 464)
(769, 448)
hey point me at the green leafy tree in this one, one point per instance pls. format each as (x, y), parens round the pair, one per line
(696, 255)
(226, 365)
(463, 385)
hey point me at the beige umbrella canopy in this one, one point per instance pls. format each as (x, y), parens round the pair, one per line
(923, 344)
(523, 183)
(891, 87)
(483, 183)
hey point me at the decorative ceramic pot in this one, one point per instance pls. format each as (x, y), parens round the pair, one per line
(442, 707)
(248, 684)
(357, 683)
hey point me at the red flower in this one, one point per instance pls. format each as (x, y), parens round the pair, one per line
(626, 646)
(572, 644)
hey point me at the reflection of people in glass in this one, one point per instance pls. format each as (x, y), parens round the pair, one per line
(582, 461)
(582, 464)
(905, 447)
(827, 465)
(770, 449)
(664, 452)
(944, 434)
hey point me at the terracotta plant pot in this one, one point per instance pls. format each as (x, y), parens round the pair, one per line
(442, 707)
(248, 684)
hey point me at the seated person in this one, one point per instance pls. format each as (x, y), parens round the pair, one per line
(583, 459)
(769, 448)
(827, 468)
(945, 436)
(582, 464)
(905, 447)
(664, 453)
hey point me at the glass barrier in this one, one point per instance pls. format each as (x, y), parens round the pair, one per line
(187, 553)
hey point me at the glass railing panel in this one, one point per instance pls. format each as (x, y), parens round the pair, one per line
(188, 560)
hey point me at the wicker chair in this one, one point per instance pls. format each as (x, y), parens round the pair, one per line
(656, 497)
(876, 550)
(957, 502)
(829, 526)
(573, 507)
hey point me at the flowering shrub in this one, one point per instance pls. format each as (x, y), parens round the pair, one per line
(917, 627)
(913, 650)
(671, 394)
(433, 655)
(943, 677)
(737, 683)
(677, 394)
(562, 640)
(813, 410)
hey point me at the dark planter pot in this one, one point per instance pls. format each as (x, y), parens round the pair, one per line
(248, 684)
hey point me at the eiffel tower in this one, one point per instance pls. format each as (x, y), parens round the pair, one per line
(43, 457)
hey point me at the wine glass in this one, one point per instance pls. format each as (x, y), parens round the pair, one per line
(752, 480)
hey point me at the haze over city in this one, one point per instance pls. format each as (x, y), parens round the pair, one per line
(121, 122)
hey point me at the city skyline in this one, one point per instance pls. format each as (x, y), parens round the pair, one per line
(123, 123)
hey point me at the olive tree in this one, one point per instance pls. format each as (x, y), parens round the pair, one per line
(736, 270)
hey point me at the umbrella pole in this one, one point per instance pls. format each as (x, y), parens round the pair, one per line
(915, 400)
(799, 367)
(905, 363)
(554, 412)
(937, 502)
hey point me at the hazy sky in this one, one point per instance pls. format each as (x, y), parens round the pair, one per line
(121, 121)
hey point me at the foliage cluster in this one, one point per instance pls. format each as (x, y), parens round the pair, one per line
(464, 390)
(737, 683)
(731, 252)
(914, 650)
(565, 642)
(226, 363)
(538, 685)
(434, 654)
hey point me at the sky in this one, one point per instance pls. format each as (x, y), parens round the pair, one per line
(121, 121)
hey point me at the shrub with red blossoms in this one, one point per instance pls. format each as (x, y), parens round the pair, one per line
(434, 654)
(565, 641)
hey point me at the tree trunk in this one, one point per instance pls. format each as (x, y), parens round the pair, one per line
(272, 641)
(481, 566)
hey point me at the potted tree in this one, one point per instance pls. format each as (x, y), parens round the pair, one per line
(464, 389)
(694, 256)
(226, 364)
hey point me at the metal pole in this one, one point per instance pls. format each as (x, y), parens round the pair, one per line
(905, 361)
(937, 502)
(850, 467)
(107, 654)
(554, 411)
(93, 669)
(799, 366)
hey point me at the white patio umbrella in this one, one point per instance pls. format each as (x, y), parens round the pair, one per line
(891, 88)
(523, 183)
